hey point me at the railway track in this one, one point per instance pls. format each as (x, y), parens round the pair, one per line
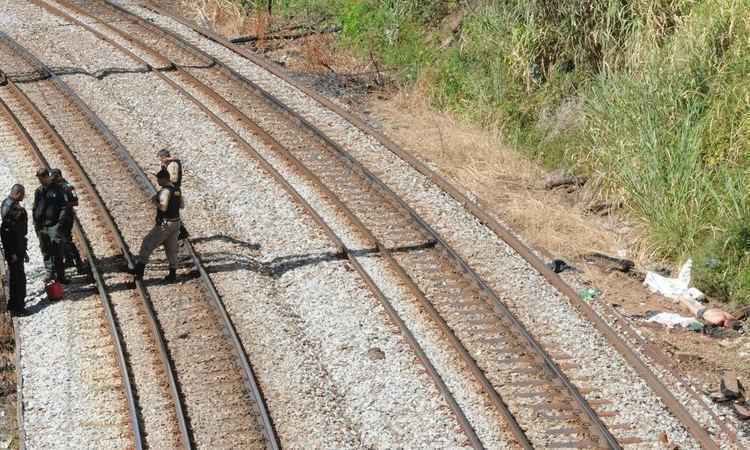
(205, 362)
(26, 141)
(542, 408)
(622, 343)
(489, 338)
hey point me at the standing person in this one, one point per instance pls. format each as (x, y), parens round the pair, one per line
(71, 256)
(168, 203)
(174, 167)
(49, 212)
(13, 233)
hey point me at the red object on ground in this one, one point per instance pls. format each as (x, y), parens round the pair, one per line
(55, 291)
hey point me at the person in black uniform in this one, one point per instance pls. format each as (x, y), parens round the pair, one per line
(173, 166)
(71, 256)
(49, 212)
(13, 233)
(166, 229)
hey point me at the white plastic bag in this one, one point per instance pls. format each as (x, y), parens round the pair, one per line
(674, 288)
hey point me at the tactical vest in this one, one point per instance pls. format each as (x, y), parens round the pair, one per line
(173, 206)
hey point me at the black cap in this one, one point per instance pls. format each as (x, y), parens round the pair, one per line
(164, 152)
(42, 172)
(55, 172)
(163, 173)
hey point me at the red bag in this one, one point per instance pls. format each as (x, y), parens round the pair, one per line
(55, 291)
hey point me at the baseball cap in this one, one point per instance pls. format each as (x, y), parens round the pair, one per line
(164, 152)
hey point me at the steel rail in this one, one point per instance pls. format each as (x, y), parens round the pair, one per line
(581, 403)
(495, 398)
(479, 210)
(185, 433)
(392, 313)
(117, 338)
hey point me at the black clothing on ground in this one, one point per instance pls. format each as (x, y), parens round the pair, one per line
(13, 233)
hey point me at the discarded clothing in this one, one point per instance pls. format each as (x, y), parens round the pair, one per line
(670, 320)
(674, 288)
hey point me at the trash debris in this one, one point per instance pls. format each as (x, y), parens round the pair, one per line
(674, 288)
(589, 294)
(671, 320)
(558, 265)
(609, 263)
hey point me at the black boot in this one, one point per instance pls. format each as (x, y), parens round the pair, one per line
(171, 278)
(138, 271)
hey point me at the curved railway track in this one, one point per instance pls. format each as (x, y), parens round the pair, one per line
(479, 210)
(491, 341)
(211, 323)
(471, 315)
(30, 145)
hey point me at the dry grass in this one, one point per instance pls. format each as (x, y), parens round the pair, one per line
(477, 159)
(224, 16)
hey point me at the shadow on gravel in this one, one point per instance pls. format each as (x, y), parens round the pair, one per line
(80, 288)
(36, 75)
(217, 262)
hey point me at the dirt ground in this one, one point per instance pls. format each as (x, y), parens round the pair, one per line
(558, 223)
(8, 424)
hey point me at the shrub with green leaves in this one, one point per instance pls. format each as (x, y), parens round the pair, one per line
(650, 96)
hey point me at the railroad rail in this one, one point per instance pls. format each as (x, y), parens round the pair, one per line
(379, 295)
(346, 183)
(26, 140)
(455, 268)
(147, 189)
(480, 210)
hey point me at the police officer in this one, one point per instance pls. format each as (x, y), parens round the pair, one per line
(174, 167)
(71, 256)
(49, 212)
(168, 203)
(13, 234)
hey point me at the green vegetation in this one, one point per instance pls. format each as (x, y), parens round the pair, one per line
(651, 96)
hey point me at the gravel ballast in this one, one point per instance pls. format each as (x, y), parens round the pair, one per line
(646, 411)
(349, 137)
(290, 294)
(527, 292)
(76, 401)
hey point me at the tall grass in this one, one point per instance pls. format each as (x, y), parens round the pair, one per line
(652, 97)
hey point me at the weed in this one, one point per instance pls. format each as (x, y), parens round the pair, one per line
(649, 97)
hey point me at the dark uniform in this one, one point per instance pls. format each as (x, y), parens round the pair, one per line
(50, 213)
(166, 229)
(71, 255)
(13, 233)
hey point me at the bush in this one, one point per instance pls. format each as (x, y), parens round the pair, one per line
(659, 88)
(722, 266)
